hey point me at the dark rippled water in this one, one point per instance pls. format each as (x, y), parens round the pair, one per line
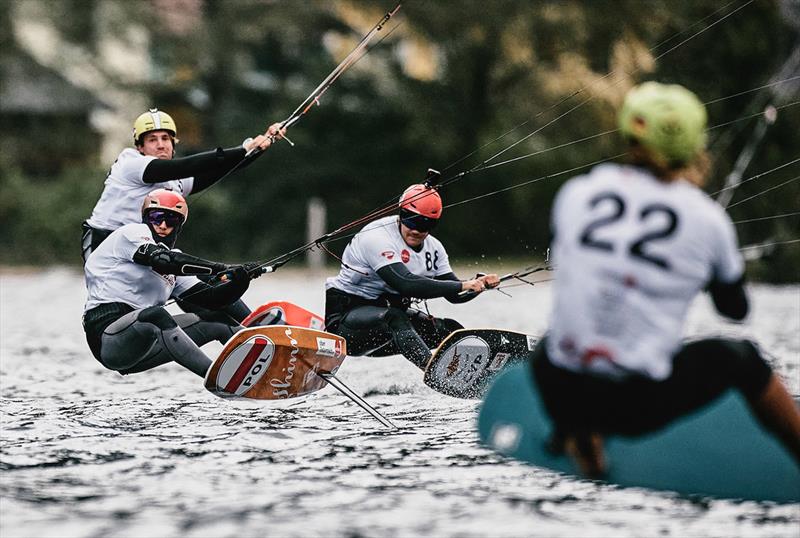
(86, 452)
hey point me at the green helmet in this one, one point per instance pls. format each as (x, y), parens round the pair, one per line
(666, 119)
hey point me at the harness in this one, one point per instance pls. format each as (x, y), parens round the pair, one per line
(91, 239)
(98, 318)
(338, 303)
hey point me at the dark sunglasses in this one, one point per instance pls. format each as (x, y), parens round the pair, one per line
(157, 216)
(417, 222)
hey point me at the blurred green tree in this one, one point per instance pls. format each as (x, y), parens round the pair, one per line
(438, 91)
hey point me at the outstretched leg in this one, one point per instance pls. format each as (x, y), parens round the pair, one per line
(144, 339)
(776, 410)
(721, 363)
(407, 340)
(233, 313)
(202, 331)
(374, 329)
(432, 330)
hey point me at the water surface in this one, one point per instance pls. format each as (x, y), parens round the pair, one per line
(86, 452)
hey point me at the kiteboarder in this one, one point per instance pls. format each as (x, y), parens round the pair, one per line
(151, 165)
(133, 273)
(633, 245)
(388, 263)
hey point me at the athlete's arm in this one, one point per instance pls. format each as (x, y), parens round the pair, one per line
(172, 262)
(729, 299)
(727, 268)
(408, 284)
(448, 276)
(470, 288)
(206, 168)
(456, 298)
(217, 294)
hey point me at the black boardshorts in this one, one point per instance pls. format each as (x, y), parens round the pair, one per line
(702, 370)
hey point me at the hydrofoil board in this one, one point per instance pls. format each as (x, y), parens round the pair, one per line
(468, 359)
(275, 362)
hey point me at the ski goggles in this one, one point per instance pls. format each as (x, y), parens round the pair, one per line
(157, 216)
(416, 222)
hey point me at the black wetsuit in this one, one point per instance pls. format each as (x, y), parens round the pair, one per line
(128, 340)
(387, 325)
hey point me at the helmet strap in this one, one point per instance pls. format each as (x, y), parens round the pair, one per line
(170, 239)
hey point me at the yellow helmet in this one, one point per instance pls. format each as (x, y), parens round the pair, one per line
(153, 120)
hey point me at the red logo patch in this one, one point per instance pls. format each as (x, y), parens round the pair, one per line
(388, 254)
(405, 256)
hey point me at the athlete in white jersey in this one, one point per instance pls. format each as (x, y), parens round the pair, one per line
(632, 252)
(131, 276)
(389, 262)
(152, 165)
(633, 245)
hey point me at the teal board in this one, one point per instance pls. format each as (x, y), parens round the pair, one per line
(719, 451)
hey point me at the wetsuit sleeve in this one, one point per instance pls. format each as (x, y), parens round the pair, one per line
(183, 283)
(215, 295)
(206, 168)
(729, 299)
(408, 284)
(448, 276)
(456, 298)
(172, 262)
(727, 281)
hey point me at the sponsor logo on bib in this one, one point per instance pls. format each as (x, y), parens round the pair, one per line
(245, 365)
(405, 256)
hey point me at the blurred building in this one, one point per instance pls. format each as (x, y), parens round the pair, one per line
(44, 119)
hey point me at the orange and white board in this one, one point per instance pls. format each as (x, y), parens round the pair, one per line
(275, 362)
(283, 313)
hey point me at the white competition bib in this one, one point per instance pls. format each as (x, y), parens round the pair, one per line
(379, 244)
(113, 277)
(124, 191)
(631, 253)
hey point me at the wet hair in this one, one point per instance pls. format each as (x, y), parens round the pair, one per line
(695, 171)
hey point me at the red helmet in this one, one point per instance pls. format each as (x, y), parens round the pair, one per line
(422, 200)
(167, 200)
